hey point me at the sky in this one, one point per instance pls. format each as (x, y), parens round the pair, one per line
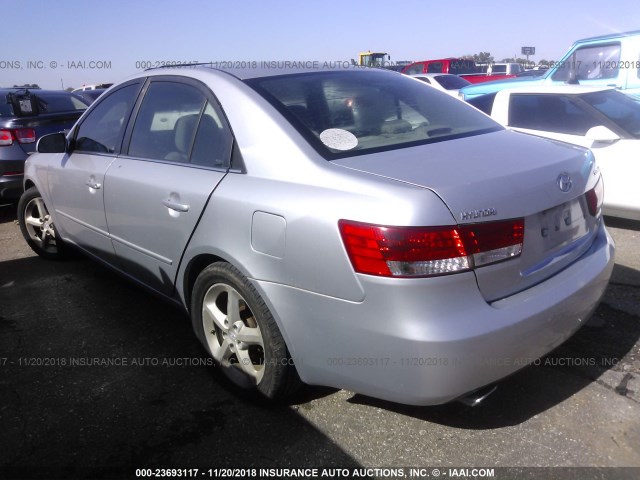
(69, 43)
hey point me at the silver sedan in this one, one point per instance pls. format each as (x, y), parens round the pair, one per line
(348, 228)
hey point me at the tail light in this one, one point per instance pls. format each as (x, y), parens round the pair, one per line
(6, 137)
(21, 135)
(595, 197)
(25, 135)
(426, 251)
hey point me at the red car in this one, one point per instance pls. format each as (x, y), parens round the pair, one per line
(457, 66)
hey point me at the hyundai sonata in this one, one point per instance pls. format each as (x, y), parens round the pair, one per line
(347, 228)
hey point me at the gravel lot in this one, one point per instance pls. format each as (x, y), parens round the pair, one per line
(165, 407)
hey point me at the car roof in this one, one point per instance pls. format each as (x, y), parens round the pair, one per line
(249, 73)
(433, 75)
(36, 91)
(610, 36)
(558, 89)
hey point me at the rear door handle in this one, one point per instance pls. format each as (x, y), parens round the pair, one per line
(94, 185)
(178, 207)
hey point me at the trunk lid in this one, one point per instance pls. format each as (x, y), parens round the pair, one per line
(499, 176)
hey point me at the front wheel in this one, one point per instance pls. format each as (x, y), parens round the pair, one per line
(37, 226)
(235, 326)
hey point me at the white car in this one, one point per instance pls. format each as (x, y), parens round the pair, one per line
(603, 119)
(444, 82)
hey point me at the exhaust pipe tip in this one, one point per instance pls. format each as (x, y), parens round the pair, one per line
(475, 398)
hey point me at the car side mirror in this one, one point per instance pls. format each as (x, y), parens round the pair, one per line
(601, 134)
(52, 143)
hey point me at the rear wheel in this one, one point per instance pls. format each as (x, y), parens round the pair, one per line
(235, 326)
(37, 226)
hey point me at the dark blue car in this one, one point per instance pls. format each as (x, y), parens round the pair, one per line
(25, 116)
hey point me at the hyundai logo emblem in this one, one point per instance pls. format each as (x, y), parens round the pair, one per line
(564, 182)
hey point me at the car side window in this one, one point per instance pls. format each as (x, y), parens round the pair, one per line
(166, 124)
(549, 113)
(213, 142)
(434, 67)
(417, 68)
(103, 128)
(483, 103)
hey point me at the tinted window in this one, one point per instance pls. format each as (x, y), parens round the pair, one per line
(483, 103)
(499, 69)
(621, 109)
(413, 69)
(6, 110)
(452, 82)
(167, 121)
(590, 63)
(461, 67)
(435, 67)
(345, 113)
(59, 102)
(102, 129)
(551, 113)
(212, 146)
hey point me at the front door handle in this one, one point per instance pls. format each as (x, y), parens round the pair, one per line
(178, 207)
(94, 185)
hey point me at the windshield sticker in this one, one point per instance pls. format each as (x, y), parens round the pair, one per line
(339, 139)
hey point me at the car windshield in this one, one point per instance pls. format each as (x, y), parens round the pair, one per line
(621, 109)
(452, 82)
(350, 113)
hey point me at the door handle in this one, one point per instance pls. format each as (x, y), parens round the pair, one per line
(94, 185)
(178, 207)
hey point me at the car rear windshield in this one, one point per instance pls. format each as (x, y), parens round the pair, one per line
(47, 102)
(452, 82)
(349, 113)
(59, 102)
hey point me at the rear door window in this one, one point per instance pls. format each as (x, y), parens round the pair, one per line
(177, 122)
(167, 122)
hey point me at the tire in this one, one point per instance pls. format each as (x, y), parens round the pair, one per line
(237, 329)
(37, 226)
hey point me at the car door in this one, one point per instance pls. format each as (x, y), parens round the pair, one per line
(179, 149)
(76, 182)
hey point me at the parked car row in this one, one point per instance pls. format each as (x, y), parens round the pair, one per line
(570, 102)
(608, 60)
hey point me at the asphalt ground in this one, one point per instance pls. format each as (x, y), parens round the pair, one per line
(67, 410)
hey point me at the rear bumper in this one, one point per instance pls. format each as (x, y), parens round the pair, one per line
(11, 184)
(429, 341)
(11, 187)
